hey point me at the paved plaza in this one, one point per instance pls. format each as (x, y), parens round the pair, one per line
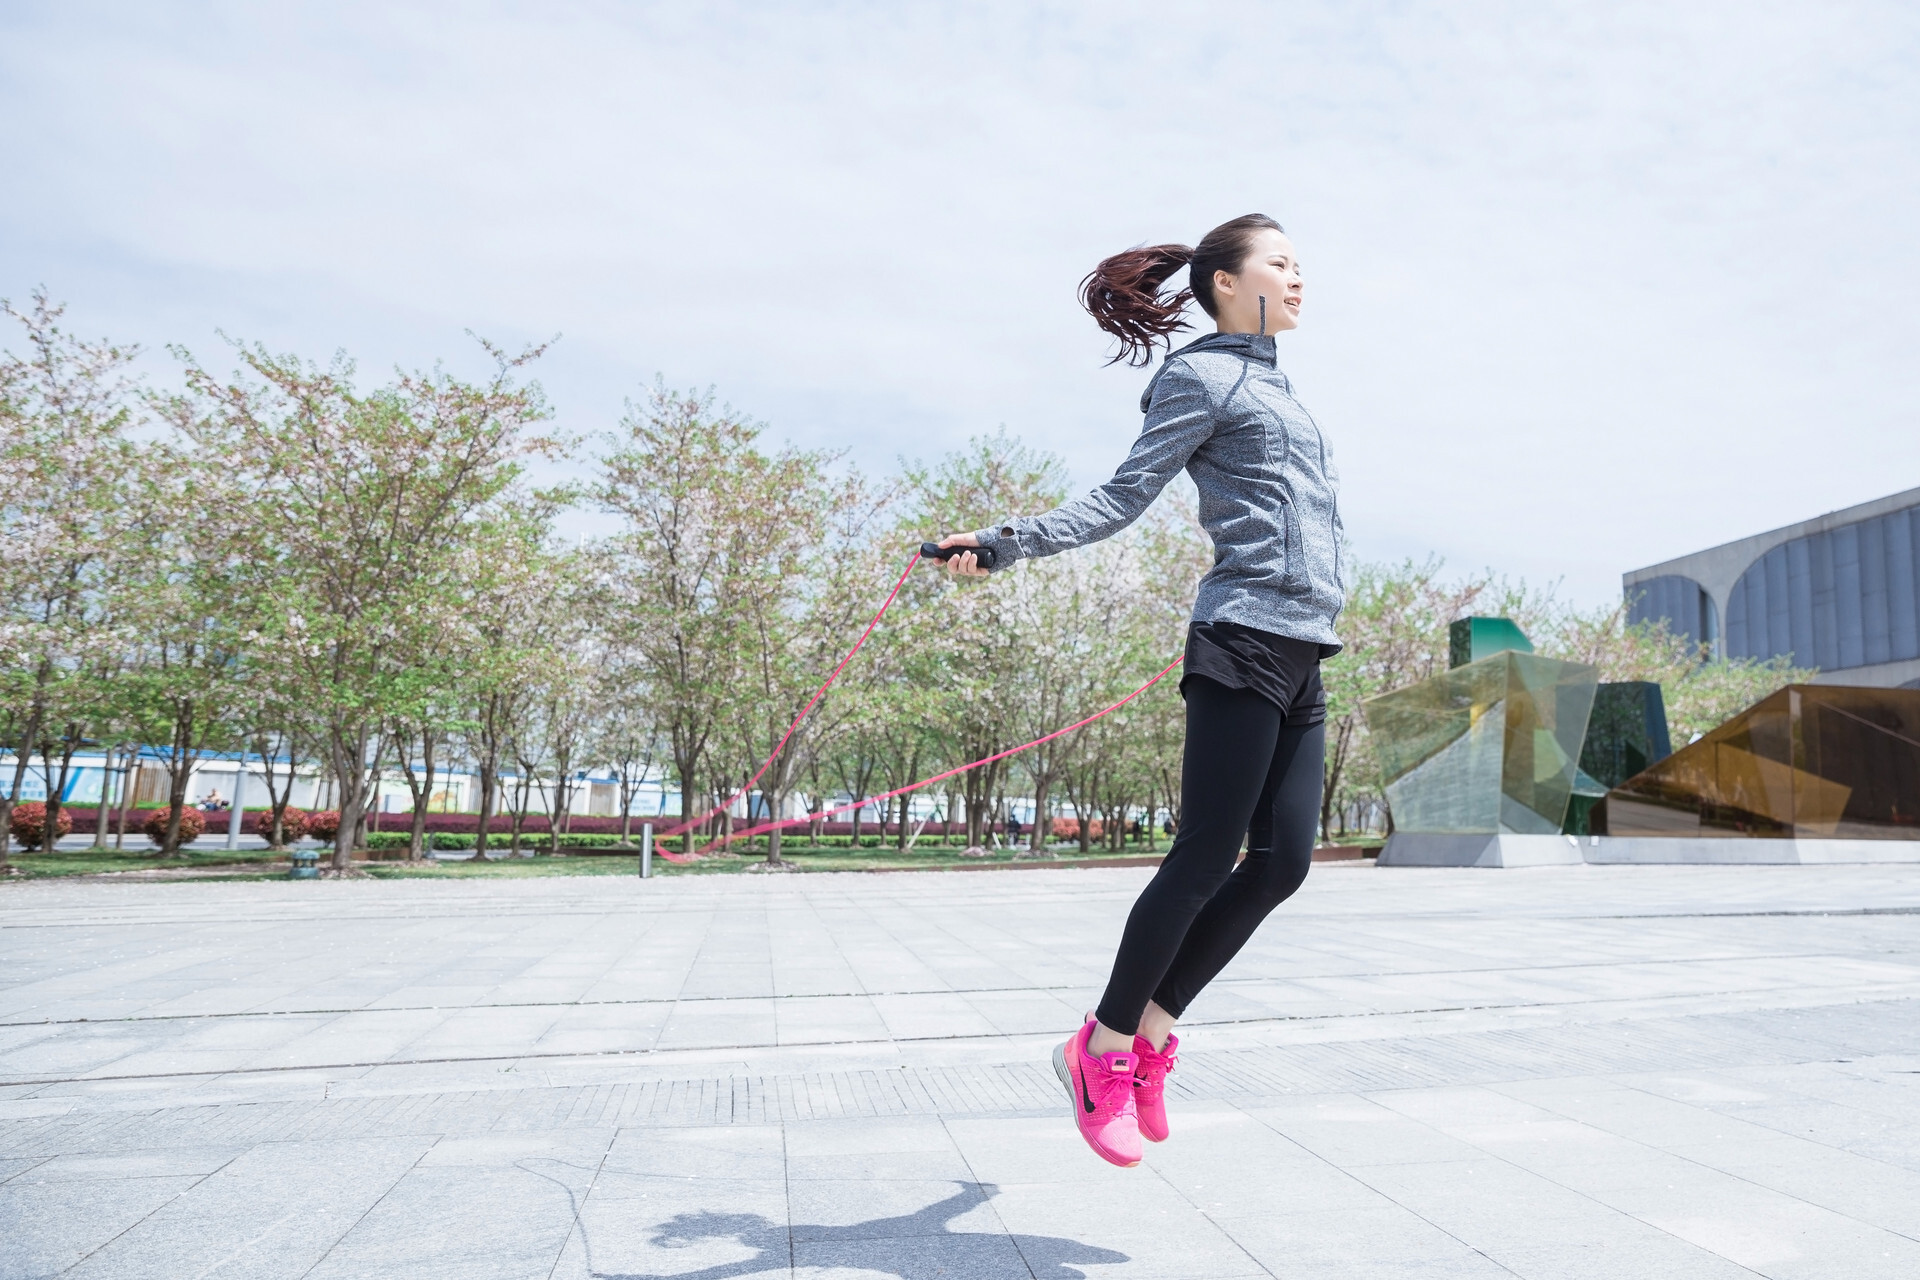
(1605, 1072)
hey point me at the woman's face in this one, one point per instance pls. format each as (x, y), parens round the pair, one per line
(1270, 271)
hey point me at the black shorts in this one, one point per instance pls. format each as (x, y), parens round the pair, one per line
(1284, 671)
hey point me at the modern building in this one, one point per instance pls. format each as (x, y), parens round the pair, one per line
(1840, 592)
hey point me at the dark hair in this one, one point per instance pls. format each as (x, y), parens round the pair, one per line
(1123, 292)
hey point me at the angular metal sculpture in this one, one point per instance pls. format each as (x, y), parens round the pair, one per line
(1626, 733)
(1487, 748)
(1471, 639)
(1811, 761)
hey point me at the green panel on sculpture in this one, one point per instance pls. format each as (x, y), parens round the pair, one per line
(1819, 761)
(1627, 732)
(1487, 747)
(1471, 639)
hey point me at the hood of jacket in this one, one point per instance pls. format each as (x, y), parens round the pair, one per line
(1248, 346)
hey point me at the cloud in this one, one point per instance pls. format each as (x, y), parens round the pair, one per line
(1589, 286)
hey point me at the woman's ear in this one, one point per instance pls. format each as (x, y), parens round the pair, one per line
(1223, 284)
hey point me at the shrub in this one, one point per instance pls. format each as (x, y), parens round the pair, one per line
(1069, 829)
(29, 825)
(192, 823)
(324, 825)
(293, 824)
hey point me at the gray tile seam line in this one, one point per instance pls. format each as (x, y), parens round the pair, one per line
(1472, 1058)
(158, 1208)
(677, 1001)
(583, 1055)
(1174, 1190)
(1360, 1175)
(1348, 1172)
(1699, 1164)
(1374, 921)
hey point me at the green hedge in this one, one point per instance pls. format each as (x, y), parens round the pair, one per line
(453, 841)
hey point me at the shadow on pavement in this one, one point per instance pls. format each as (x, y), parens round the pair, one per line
(914, 1246)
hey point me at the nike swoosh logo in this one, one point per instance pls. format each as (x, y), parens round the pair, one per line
(1087, 1101)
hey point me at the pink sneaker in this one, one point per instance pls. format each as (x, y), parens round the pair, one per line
(1150, 1086)
(1101, 1090)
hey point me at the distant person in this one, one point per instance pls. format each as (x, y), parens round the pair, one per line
(1221, 409)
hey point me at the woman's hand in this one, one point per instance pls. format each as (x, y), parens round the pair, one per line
(968, 564)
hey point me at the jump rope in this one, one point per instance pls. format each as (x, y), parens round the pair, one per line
(928, 551)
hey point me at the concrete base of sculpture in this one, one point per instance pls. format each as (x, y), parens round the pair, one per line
(1618, 850)
(1433, 849)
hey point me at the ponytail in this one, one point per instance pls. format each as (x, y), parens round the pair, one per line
(1123, 293)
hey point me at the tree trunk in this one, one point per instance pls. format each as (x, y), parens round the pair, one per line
(488, 767)
(177, 805)
(417, 833)
(127, 787)
(777, 803)
(22, 754)
(350, 770)
(179, 777)
(56, 784)
(626, 808)
(1037, 842)
(103, 813)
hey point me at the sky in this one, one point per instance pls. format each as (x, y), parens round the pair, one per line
(1589, 286)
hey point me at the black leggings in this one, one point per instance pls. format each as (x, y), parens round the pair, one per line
(1244, 774)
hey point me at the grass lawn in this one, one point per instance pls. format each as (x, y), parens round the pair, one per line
(241, 863)
(803, 858)
(258, 864)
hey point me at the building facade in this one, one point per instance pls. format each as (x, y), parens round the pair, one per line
(1840, 592)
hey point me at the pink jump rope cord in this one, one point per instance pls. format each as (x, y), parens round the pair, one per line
(887, 795)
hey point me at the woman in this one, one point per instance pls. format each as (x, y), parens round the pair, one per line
(1262, 622)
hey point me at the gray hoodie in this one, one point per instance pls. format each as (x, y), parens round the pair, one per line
(1221, 408)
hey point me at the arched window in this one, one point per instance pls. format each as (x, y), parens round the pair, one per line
(1682, 603)
(1833, 600)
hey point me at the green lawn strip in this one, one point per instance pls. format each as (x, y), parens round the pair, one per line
(259, 863)
(90, 862)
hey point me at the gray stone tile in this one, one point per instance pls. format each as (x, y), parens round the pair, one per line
(962, 1257)
(476, 1222)
(845, 1208)
(1137, 1214)
(273, 1212)
(1382, 1240)
(712, 1244)
(943, 1166)
(162, 1162)
(13, 1168)
(743, 1152)
(1414, 1037)
(1347, 1131)
(50, 1227)
(904, 1134)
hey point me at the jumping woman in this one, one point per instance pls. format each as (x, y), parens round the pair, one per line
(1262, 622)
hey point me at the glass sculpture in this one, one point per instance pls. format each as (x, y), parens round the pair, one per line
(1471, 639)
(1487, 747)
(1812, 760)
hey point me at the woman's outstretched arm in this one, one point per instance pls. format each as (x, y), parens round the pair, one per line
(1178, 422)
